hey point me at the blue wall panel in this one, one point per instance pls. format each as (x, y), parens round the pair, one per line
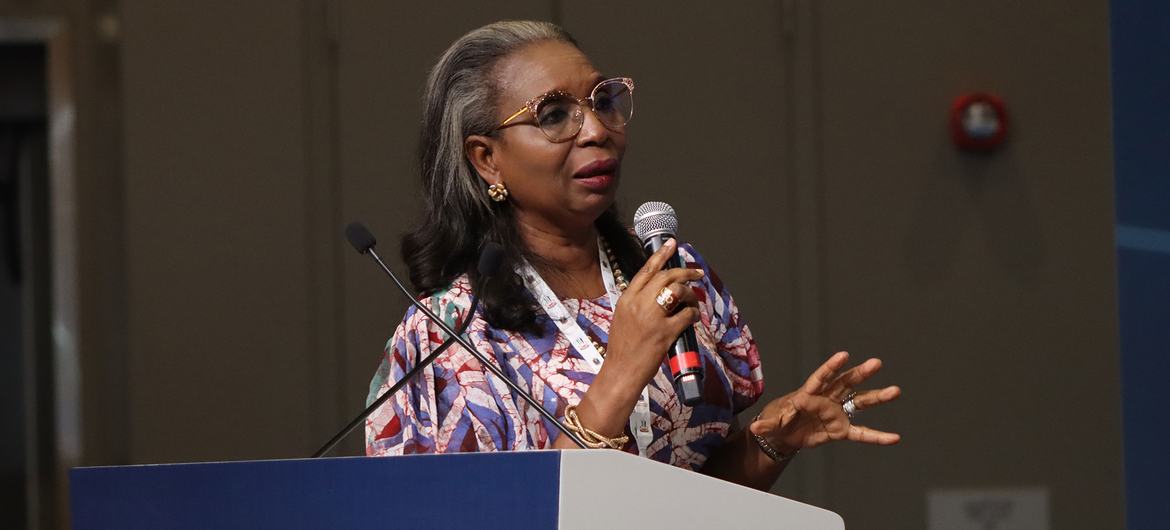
(1144, 290)
(1141, 109)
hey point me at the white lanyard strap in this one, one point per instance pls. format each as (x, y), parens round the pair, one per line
(640, 416)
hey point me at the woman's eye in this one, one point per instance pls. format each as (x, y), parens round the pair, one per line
(603, 103)
(552, 115)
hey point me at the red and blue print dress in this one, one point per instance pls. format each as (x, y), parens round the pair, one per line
(456, 405)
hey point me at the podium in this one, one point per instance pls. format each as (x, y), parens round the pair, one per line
(573, 489)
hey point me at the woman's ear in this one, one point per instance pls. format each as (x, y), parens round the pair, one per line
(480, 150)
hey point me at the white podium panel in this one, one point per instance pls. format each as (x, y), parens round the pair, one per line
(611, 489)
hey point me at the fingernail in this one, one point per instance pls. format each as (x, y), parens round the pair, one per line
(669, 242)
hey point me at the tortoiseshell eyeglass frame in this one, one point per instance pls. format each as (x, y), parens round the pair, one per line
(533, 105)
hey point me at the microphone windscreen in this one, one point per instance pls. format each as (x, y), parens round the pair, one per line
(655, 218)
(360, 237)
(490, 259)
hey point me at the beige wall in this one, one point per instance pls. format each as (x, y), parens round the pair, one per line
(986, 282)
(803, 144)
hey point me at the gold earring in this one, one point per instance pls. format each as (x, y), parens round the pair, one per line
(498, 192)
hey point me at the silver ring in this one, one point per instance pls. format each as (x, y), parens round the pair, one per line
(849, 406)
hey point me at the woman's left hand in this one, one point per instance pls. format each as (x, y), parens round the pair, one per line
(814, 415)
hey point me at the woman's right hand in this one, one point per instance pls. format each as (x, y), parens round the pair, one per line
(639, 336)
(641, 331)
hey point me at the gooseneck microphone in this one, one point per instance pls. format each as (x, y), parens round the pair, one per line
(655, 223)
(489, 264)
(362, 240)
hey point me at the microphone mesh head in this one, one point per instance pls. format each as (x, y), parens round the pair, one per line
(360, 237)
(655, 218)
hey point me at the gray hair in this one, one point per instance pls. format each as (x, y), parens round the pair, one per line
(461, 100)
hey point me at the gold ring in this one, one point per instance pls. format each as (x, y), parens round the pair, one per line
(666, 300)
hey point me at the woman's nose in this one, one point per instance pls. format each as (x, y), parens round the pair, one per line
(592, 130)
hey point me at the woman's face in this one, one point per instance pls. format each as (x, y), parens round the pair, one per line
(564, 185)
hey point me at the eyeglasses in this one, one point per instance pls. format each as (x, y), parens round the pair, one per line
(559, 115)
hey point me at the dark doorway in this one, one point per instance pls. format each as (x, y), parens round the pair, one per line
(26, 413)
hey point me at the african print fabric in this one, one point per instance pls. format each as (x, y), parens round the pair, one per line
(456, 405)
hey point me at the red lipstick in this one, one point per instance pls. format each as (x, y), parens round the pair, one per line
(598, 175)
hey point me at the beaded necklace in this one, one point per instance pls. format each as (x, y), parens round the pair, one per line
(619, 279)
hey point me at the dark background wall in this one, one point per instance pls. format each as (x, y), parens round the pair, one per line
(222, 145)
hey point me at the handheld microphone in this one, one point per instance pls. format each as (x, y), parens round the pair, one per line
(655, 223)
(489, 263)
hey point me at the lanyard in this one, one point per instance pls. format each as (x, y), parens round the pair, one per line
(640, 416)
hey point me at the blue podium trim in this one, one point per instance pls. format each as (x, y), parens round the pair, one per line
(417, 491)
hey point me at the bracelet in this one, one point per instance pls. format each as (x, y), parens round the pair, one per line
(767, 448)
(592, 439)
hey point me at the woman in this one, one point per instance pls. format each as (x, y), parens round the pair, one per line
(522, 143)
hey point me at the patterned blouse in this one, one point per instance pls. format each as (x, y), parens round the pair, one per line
(456, 405)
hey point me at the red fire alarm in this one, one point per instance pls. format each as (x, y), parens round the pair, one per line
(979, 122)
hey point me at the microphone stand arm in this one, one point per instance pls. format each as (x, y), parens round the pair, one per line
(397, 385)
(482, 359)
